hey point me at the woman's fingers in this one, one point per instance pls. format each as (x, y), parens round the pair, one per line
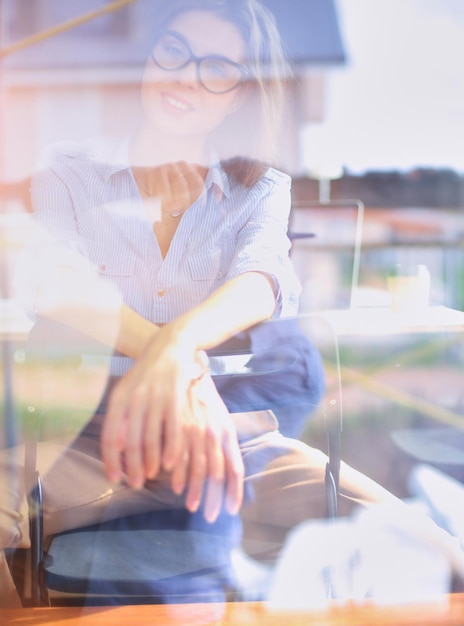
(152, 447)
(214, 497)
(225, 477)
(133, 447)
(174, 411)
(233, 468)
(188, 180)
(178, 185)
(195, 429)
(225, 472)
(235, 473)
(197, 474)
(215, 484)
(132, 432)
(189, 433)
(112, 438)
(180, 472)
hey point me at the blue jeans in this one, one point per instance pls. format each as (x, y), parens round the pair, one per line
(285, 374)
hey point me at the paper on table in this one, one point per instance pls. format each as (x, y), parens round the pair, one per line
(374, 555)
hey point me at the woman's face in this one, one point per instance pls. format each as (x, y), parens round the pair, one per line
(175, 101)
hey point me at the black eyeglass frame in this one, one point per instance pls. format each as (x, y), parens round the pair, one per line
(244, 72)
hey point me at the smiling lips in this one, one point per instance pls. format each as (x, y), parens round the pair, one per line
(175, 103)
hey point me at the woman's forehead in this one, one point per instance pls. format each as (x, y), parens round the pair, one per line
(208, 33)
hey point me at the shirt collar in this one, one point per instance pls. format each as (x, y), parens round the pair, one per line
(114, 157)
(217, 176)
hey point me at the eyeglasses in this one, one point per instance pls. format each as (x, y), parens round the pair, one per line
(216, 73)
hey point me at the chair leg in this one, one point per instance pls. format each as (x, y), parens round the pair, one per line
(331, 495)
(332, 474)
(39, 595)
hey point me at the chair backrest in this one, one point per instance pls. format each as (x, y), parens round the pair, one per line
(328, 263)
(294, 369)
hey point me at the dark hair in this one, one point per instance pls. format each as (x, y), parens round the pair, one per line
(248, 138)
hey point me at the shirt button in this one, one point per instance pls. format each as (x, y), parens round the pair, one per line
(160, 293)
(103, 267)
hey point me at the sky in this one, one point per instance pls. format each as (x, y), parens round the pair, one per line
(398, 103)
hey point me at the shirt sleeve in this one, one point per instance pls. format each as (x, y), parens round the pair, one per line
(52, 200)
(53, 268)
(263, 244)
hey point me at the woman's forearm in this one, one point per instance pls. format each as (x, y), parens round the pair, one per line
(134, 332)
(240, 303)
(75, 296)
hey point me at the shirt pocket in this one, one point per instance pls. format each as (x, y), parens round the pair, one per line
(112, 263)
(207, 265)
(213, 263)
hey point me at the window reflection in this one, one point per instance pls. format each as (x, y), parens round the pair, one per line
(124, 209)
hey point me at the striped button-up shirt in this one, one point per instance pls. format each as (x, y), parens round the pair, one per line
(85, 195)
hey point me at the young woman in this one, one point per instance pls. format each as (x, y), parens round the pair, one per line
(183, 228)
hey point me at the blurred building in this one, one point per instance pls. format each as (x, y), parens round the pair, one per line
(84, 81)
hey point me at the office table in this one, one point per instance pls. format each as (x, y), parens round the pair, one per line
(380, 321)
(14, 324)
(380, 339)
(448, 611)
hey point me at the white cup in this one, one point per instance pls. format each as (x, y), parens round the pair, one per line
(409, 289)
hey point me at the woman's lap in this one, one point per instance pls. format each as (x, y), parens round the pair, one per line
(284, 485)
(77, 493)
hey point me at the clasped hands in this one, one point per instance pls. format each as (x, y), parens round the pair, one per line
(162, 418)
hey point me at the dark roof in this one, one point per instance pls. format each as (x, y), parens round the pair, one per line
(309, 29)
(420, 187)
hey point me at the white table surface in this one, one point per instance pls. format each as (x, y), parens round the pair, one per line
(383, 321)
(14, 323)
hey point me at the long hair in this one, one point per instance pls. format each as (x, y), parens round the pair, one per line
(247, 139)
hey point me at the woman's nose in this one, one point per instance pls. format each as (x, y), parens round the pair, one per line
(188, 74)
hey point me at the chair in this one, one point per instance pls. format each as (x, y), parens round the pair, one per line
(338, 227)
(143, 570)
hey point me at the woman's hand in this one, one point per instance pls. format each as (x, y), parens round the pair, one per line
(211, 468)
(158, 418)
(176, 186)
(143, 418)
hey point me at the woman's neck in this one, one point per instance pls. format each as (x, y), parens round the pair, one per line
(151, 149)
